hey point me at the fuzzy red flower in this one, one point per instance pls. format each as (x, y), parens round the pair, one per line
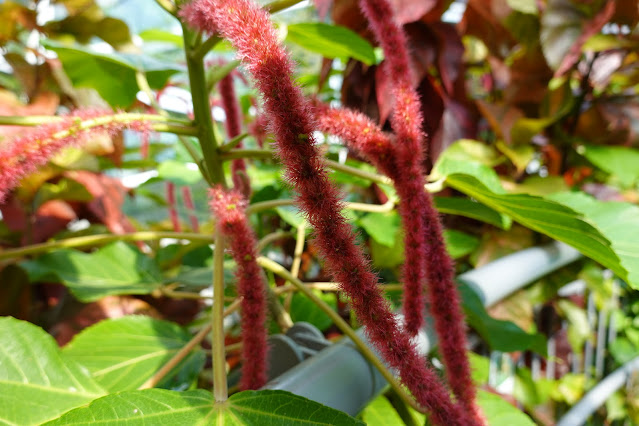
(250, 31)
(229, 207)
(425, 250)
(233, 123)
(24, 154)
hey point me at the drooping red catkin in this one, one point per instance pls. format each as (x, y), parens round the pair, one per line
(231, 107)
(24, 154)
(170, 201)
(425, 247)
(229, 207)
(250, 31)
(188, 203)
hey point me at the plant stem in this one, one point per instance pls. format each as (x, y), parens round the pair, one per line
(182, 353)
(279, 5)
(201, 109)
(233, 143)
(156, 122)
(269, 238)
(363, 207)
(220, 385)
(300, 239)
(98, 239)
(344, 328)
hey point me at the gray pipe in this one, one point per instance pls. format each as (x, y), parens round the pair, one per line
(340, 377)
(598, 395)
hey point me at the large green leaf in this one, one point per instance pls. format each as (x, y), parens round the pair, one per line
(37, 382)
(380, 412)
(331, 41)
(112, 74)
(471, 209)
(303, 309)
(542, 215)
(619, 222)
(504, 336)
(123, 353)
(117, 268)
(620, 161)
(157, 406)
(459, 244)
(382, 227)
(498, 412)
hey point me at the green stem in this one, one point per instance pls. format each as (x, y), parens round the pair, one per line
(207, 46)
(202, 110)
(362, 207)
(233, 143)
(220, 385)
(143, 83)
(167, 5)
(300, 240)
(343, 326)
(279, 5)
(269, 238)
(99, 239)
(155, 121)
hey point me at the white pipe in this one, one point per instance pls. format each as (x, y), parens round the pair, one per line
(341, 378)
(598, 395)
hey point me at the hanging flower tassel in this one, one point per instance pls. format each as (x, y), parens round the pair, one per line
(229, 207)
(231, 107)
(426, 255)
(26, 153)
(250, 31)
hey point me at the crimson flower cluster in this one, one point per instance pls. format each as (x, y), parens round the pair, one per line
(229, 207)
(24, 154)
(248, 28)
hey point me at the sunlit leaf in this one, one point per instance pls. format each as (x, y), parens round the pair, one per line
(117, 268)
(157, 406)
(498, 412)
(619, 161)
(37, 382)
(331, 41)
(113, 74)
(380, 412)
(121, 354)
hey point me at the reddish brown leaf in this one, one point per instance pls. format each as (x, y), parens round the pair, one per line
(50, 218)
(108, 196)
(588, 30)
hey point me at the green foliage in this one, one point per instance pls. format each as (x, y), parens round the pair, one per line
(121, 354)
(195, 407)
(117, 268)
(331, 41)
(37, 381)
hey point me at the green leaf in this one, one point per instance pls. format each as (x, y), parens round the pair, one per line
(619, 161)
(303, 309)
(618, 222)
(523, 6)
(331, 41)
(459, 244)
(381, 412)
(504, 336)
(37, 382)
(498, 412)
(291, 215)
(479, 367)
(117, 268)
(548, 217)
(179, 173)
(471, 209)
(579, 329)
(382, 227)
(113, 74)
(157, 406)
(121, 354)
(154, 34)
